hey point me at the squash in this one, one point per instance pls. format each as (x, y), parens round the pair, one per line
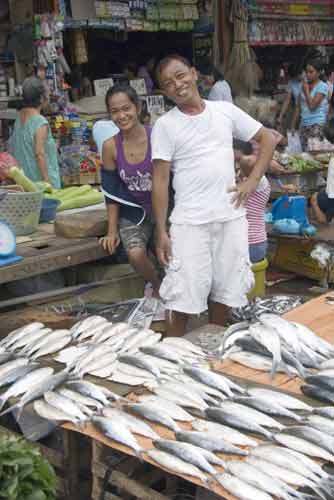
(92, 198)
(22, 180)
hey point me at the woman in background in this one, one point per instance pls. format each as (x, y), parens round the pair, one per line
(32, 143)
(294, 90)
(220, 89)
(312, 105)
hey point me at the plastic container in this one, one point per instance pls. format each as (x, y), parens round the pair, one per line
(49, 210)
(259, 270)
(21, 211)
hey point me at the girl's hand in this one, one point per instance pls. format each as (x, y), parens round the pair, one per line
(110, 242)
(306, 89)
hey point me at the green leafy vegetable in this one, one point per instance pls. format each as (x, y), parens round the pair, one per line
(24, 473)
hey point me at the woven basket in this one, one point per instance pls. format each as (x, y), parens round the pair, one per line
(21, 211)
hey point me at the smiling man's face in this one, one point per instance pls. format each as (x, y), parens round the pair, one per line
(179, 82)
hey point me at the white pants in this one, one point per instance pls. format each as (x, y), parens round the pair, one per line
(209, 262)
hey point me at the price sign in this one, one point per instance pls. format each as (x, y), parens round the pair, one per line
(155, 104)
(102, 86)
(139, 85)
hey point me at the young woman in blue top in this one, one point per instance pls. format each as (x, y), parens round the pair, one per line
(313, 105)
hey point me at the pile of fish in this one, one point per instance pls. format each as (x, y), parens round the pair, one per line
(275, 344)
(277, 304)
(271, 442)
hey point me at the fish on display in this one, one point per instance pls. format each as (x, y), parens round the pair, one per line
(240, 488)
(177, 394)
(65, 404)
(285, 329)
(16, 373)
(133, 423)
(52, 347)
(325, 411)
(140, 362)
(184, 344)
(255, 415)
(176, 465)
(209, 442)
(16, 335)
(312, 435)
(322, 381)
(259, 362)
(29, 340)
(208, 393)
(80, 399)
(313, 341)
(286, 400)
(151, 412)
(195, 390)
(277, 304)
(268, 337)
(295, 442)
(25, 382)
(231, 334)
(187, 452)
(94, 391)
(212, 379)
(268, 407)
(222, 431)
(116, 429)
(49, 412)
(319, 393)
(172, 409)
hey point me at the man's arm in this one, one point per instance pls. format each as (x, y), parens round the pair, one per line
(160, 199)
(267, 145)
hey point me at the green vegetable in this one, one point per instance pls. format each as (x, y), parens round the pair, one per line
(44, 186)
(24, 473)
(91, 198)
(22, 180)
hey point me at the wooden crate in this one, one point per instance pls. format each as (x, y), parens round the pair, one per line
(117, 476)
(70, 455)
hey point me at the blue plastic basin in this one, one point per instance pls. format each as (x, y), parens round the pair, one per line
(49, 210)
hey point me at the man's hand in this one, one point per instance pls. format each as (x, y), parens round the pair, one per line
(242, 191)
(163, 248)
(110, 242)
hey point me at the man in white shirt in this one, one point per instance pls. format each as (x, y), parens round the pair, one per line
(206, 250)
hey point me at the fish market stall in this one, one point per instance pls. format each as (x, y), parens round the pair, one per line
(182, 412)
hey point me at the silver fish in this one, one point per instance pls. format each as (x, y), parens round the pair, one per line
(175, 464)
(328, 364)
(6, 356)
(45, 339)
(222, 431)
(187, 452)
(303, 446)
(162, 352)
(210, 378)
(182, 389)
(133, 423)
(140, 362)
(252, 360)
(80, 399)
(268, 407)
(14, 336)
(52, 347)
(241, 489)
(111, 330)
(184, 400)
(14, 363)
(163, 365)
(137, 340)
(238, 419)
(312, 435)
(24, 383)
(313, 341)
(94, 391)
(16, 374)
(253, 475)
(116, 429)
(187, 384)
(209, 442)
(172, 409)
(49, 412)
(285, 329)
(255, 415)
(285, 400)
(284, 474)
(107, 360)
(65, 404)
(205, 389)
(88, 323)
(268, 337)
(133, 371)
(28, 340)
(184, 344)
(37, 391)
(151, 412)
(325, 411)
(229, 334)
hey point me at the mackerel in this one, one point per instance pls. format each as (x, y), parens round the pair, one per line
(136, 341)
(14, 336)
(133, 423)
(268, 407)
(323, 381)
(255, 415)
(46, 339)
(185, 344)
(313, 391)
(94, 391)
(302, 445)
(14, 363)
(65, 404)
(240, 488)
(211, 391)
(325, 411)
(172, 409)
(312, 340)
(268, 337)
(134, 371)
(184, 400)
(312, 435)
(151, 412)
(116, 429)
(210, 378)
(239, 420)
(162, 352)
(182, 389)
(222, 431)
(52, 347)
(286, 330)
(140, 362)
(24, 383)
(289, 402)
(16, 374)
(49, 412)
(187, 452)
(175, 464)
(230, 331)
(28, 340)
(209, 442)
(80, 398)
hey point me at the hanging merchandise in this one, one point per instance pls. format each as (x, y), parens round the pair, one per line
(242, 71)
(287, 32)
(78, 47)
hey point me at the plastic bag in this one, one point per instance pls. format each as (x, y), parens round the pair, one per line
(330, 179)
(294, 145)
(290, 207)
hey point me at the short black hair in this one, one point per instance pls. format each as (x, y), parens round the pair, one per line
(316, 63)
(294, 70)
(211, 69)
(168, 59)
(121, 88)
(329, 132)
(245, 147)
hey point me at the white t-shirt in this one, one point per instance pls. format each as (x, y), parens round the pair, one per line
(221, 91)
(200, 148)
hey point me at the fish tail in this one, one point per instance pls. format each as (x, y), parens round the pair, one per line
(11, 408)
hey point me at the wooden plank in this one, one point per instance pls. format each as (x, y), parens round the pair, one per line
(133, 487)
(53, 257)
